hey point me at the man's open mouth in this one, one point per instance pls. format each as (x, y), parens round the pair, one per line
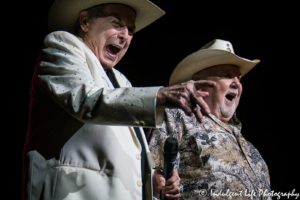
(230, 96)
(113, 50)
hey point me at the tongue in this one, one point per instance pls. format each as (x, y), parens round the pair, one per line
(112, 49)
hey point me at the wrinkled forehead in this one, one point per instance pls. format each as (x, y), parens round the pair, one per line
(122, 12)
(220, 70)
(117, 9)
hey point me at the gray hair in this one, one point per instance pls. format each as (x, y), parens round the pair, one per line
(93, 12)
(200, 74)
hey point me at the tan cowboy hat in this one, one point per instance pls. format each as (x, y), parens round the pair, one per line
(63, 14)
(217, 52)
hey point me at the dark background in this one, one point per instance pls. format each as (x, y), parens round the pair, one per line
(269, 106)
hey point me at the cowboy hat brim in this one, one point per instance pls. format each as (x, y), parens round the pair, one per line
(63, 14)
(203, 59)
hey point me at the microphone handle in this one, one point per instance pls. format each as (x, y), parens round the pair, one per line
(167, 173)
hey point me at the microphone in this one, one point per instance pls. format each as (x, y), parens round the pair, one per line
(170, 153)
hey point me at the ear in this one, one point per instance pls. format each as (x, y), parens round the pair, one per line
(84, 21)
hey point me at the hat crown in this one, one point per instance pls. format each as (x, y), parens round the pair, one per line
(63, 14)
(216, 52)
(220, 45)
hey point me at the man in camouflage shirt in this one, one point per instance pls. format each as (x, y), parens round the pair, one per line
(214, 159)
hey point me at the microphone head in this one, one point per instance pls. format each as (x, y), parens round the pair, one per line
(171, 148)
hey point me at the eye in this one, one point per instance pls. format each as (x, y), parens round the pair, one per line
(130, 32)
(116, 24)
(228, 75)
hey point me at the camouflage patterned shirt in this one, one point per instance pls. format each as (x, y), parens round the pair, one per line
(214, 160)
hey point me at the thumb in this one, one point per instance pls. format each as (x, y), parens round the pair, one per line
(160, 180)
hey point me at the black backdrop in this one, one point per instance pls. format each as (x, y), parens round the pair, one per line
(269, 104)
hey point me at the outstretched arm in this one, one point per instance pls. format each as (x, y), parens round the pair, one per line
(186, 96)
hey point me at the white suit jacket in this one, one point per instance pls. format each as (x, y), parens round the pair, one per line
(80, 143)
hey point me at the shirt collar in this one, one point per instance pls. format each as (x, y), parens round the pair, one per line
(233, 123)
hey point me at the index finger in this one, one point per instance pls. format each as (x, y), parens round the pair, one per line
(200, 101)
(160, 179)
(200, 83)
(198, 114)
(174, 178)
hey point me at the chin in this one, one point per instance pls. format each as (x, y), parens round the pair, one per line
(107, 66)
(227, 113)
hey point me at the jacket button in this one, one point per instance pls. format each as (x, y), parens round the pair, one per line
(138, 156)
(139, 183)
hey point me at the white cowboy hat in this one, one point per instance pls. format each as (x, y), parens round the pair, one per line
(63, 14)
(217, 52)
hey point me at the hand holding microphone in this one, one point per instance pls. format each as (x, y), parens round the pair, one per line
(168, 181)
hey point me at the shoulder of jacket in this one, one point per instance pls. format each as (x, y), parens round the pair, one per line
(62, 37)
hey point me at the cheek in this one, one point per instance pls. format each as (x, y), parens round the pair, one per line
(107, 36)
(219, 90)
(121, 54)
(215, 96)
(240, 93)
(128, 42)
(241, 89)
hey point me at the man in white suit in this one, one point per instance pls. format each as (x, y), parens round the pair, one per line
(81, 143)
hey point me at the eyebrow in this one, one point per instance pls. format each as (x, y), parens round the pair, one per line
(118, 18)
(132, 28)
(226, 71)
(229, 70)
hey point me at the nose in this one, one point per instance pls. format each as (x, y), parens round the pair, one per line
(235, 83)
(123, 34)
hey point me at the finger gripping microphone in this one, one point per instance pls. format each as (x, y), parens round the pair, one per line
(170, 153)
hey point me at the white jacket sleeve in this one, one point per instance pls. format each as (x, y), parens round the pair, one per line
(71, 75)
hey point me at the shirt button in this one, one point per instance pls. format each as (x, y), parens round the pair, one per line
(139, 183)
(138, 156)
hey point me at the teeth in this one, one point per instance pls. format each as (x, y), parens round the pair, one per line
(116, 46)
(111, 54)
